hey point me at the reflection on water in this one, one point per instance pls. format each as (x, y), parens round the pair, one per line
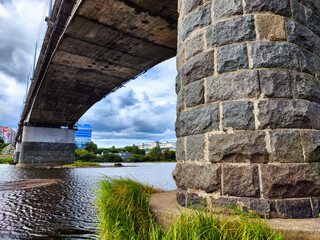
(65, 210)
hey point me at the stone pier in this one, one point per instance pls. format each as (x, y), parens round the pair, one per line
(248, 111)
(17, 152)
(46, 147)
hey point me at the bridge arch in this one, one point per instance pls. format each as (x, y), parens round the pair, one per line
(248, 91)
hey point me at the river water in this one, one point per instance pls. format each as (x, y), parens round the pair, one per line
(65, 210)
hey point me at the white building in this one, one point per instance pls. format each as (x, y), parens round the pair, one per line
(8, 134)
(162, 145)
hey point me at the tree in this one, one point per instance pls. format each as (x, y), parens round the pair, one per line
(85, 156)
(111, 157)
(155, 154)
(91, 147)
(137, 158)
(1, 140)
(113, 150)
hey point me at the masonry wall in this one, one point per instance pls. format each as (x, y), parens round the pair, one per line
(248, 111)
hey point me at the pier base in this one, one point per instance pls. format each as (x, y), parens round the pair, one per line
(46, 147)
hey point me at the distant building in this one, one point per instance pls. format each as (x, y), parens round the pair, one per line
(83, 135)
(124, 156)
(162, 145)
(8, 134)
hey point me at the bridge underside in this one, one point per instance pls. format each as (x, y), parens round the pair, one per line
(90, 50)
(105, 44)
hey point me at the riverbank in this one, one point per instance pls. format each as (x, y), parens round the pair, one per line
(125, 212)
(165, 208)
(6, 160)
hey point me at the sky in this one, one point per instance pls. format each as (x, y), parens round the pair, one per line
(144, 110)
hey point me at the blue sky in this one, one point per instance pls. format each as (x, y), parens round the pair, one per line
(144, 110)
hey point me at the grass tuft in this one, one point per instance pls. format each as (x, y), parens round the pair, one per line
(82, 164)
(124, 210)
(6, 160)
(124, 213)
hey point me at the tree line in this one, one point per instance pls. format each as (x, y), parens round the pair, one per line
(91, 153)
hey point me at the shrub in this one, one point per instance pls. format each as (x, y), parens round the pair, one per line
(137, 158)
(85, 156)
(111, 157)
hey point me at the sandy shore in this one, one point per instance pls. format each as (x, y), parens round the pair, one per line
(98, 166)
(27, 184)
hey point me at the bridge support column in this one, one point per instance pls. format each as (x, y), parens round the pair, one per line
(17, 152)
(46, 147)
(248, 112)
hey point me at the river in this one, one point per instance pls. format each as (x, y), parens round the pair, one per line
(65, 210)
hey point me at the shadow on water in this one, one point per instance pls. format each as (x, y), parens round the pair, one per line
(64, 210)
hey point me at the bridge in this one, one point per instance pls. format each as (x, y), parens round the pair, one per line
(91, 48)
(248, 108)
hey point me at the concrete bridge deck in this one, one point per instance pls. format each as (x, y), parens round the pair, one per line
(92, 47)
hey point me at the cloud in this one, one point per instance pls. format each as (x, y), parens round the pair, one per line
(142, 111)
(19, 23)
(19, 27)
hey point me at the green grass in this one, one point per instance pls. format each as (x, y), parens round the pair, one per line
(124, 210)
(82, 164)
(6, 160)
(118, 165)
(124, 213)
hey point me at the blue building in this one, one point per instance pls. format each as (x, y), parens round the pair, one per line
(83, 135)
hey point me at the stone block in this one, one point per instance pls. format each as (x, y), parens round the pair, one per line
(306, 87)
(178, 83)
(274, 55)
(286, 146)
(180, 101)
(240, 180)
(230, 31)
(239, 147)
(285, 114)
(275, 83)
(315, 204)
(180, 58)
(194, 94)
(204, 177)
(181, 196)
(238, 115)
(271, 27)
(195, 201)
(195, 147)
(307, 61)
(280, 7)
(224, 9)
(233, 57)
(311, 145)
(313, 20)
(300, 208)
(262, 207)
(180, 149)
(198, 67)
(317, 66)
(298, 12)
(301, 35)
(200, 17)
(235, 85)
(198, 120)
(189, 5)
(290, 180)
(194, 45)
(315, 113)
